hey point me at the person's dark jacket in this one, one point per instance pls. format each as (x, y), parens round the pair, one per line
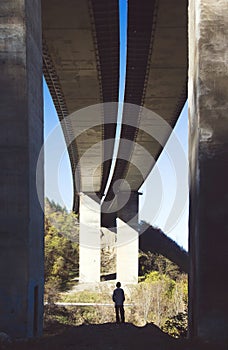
(118, 296)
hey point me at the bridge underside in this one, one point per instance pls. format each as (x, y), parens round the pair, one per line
(81, 67)
(21, 258)
(156, 79)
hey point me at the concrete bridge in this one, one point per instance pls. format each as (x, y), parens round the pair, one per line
(76, 45)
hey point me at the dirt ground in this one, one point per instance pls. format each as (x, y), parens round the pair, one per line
(108, 336)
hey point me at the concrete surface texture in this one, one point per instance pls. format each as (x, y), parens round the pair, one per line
(127, 245)
(21, 217)
(81, 64)
(89, 240)
(126, 242)
(208, 150)
(81, 46)
(156, 78)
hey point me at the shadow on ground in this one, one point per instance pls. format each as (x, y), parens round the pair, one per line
(108, 336)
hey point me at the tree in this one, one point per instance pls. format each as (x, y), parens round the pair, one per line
(61, 248)
(161, 295)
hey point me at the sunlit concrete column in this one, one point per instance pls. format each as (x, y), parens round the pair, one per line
(127, 238)
(89, 239)
(208, 156)
(21, 138)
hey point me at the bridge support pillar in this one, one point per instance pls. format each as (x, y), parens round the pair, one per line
(208, 146)
(89, 241)
(127, 238)
(21, 135)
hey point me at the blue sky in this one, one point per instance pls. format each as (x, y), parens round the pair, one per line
(161, 186)
(159, 189)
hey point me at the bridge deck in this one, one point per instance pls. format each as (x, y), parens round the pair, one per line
(81, 66)
(156, 79)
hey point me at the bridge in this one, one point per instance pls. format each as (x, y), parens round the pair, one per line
(81, 67)
(76, 45)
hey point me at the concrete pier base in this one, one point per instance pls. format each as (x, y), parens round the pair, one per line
(127, 239)
(89, 250)
(21, 138)
(208, 157)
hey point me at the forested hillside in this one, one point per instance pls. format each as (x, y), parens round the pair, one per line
(61, 248)
(160, 297)
(154, 240)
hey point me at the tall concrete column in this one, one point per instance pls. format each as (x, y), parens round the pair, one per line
(21, 138)
(127, 238)
(89, 241)
(208, 156)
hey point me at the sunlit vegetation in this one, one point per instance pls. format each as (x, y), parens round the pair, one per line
(61, 249)
(160, 297)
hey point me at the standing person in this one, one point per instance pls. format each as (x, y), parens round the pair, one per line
(118, 298)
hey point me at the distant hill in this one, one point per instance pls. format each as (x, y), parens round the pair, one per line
(154, 240)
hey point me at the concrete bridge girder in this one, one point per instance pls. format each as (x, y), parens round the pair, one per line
(21, 136)
(77, 41)
(156, 78)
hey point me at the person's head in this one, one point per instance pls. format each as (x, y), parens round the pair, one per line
(118, 284)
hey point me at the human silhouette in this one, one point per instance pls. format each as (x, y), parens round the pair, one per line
(118, 297)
